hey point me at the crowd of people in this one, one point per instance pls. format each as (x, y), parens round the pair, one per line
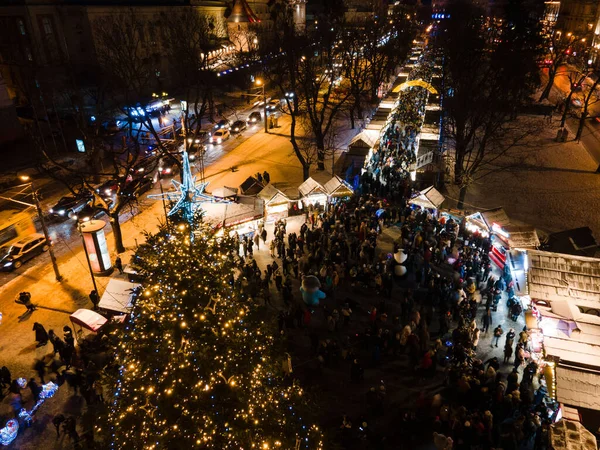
(389, 166)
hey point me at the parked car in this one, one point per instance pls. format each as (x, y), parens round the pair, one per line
(220, 136)
(238, 126)
(144, 167)
(254, 117)
(13, 256)
(137, 187)
(222, 124)
(70, 204)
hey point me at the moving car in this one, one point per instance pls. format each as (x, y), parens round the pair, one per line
(70, 204)
(137, 187)
(254, 117)
(220, 136)
(108, 188)
(167, 168)
(89, 212)
(238, 126)
(12, 257)
(222, 124)
(273, 104)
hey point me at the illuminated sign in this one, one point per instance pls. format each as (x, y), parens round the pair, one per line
(80, 145)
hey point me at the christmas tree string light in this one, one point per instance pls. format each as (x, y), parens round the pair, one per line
(198, 366)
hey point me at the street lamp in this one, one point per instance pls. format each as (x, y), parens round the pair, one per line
(260, 83)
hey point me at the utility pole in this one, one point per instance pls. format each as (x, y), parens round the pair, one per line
(38, 207)
(261, 83)
(46, 235)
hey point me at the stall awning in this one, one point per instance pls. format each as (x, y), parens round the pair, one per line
(309, 187)
(118, 296)
(338, 187)
(88, 319)
(251, 186)
(428, 198)
(577, 387)
(273, 196)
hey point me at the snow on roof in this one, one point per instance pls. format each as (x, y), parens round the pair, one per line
(578, 388)
(118, 296)
(89, 319)
(571, 435)
(366, 138)
(556, 276)
(224, 192)
(571, 350)
(522, 237)
(375, 125)
(311, 186)
(273, 196)
(496, 215)
(337, 186)
(428, 198)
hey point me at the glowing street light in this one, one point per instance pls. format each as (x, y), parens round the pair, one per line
(260, 83)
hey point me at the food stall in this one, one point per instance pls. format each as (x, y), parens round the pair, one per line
(276, 203)
(338, 189)
(429, 198)
(88, 320)
(312, 193)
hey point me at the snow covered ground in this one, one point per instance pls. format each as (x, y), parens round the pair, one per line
(554, 187)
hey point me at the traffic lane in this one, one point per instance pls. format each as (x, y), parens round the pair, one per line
(67, 240)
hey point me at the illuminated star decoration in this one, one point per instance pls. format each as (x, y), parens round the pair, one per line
(149, 408)
(188, 194)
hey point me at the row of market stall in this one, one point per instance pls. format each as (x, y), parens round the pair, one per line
(560, 294)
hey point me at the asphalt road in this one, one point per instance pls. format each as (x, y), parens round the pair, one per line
(64, 233)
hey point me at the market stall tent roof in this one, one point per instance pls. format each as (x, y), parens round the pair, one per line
(310, 186)
(571, 435)
(251, 186)
(365, 139)
(522, 236)
(496, 215)
(428, 198)
(338, 187)
(273, 196)
(118, 295)
(88, 319)
(557, 276)
(225, 192)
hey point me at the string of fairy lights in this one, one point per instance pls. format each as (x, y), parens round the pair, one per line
(197, 364)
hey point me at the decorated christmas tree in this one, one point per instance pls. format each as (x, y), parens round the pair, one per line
(197, 365)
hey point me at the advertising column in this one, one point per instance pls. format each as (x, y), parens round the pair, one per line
(96, 247)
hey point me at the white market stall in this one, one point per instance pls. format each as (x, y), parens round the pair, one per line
(312, 193)
(87, 319)
(337, 188)
(429, 198)
(276, 203)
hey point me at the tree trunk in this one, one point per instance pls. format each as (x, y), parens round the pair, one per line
(305, 171)
(117, 234)
(566, 111)
(352, 118)
(461, 196)
(548, 88)
(320, 141)
(584, 116)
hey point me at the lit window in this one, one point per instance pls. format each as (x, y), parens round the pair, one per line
(47, 25)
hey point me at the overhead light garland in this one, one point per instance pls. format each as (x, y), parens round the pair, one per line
(198, 365)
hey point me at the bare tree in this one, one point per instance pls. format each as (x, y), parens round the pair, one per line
(590, 97)
(322, 100)
(559, 47)
(487, 79)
